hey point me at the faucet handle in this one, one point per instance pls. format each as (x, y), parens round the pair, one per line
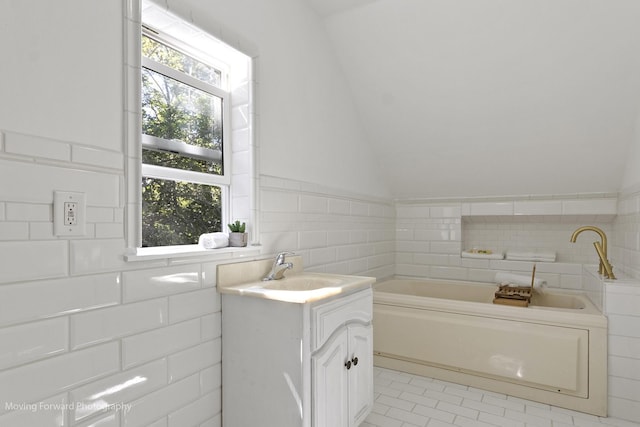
(605, 265)
(281, 255)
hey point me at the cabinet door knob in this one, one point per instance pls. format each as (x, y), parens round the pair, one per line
(354, 361)
(348, 364)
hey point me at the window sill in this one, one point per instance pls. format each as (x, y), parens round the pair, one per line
(189, 251)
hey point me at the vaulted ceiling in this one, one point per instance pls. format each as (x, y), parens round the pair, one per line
(464, 98)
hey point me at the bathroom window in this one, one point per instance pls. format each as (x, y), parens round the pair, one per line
(185, 167)
(188, 93)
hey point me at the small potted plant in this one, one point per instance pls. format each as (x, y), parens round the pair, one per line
(237, 236)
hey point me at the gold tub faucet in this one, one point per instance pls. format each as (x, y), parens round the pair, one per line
(605, 268)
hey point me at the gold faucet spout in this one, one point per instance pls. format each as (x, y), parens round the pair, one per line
(605, 267)
(603, 237)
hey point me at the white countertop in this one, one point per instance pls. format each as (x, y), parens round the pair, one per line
(300, 287)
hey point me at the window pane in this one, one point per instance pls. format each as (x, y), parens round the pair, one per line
(172, 110)
(176, 213)
(170, 57)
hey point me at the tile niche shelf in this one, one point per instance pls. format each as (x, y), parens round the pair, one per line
(544, 225)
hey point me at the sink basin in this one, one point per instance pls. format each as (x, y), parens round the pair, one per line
(302, 287)
(302, 282)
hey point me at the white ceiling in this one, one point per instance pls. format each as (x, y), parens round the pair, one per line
(466, 98)
(328, 7)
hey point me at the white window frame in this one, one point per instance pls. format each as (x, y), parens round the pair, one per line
(233, 57)
(222, 181)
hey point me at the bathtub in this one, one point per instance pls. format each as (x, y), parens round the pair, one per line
(554, 351)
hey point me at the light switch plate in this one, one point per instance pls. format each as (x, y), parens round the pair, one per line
(69, 213)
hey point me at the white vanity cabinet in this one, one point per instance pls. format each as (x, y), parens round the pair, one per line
(299, 365)
(342, 362)
(342, 373)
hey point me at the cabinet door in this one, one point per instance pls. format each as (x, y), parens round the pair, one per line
(329, 378)
(361, 373)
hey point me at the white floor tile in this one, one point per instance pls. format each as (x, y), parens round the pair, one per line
(386, 391)
(617, 422)
(549, 414)
(408, 417)
(396, 403)
(457, 410)
(407, 387)
(483, 407)
(464, 393)
(466, 422)
(529, 420)
(503, 403)
(419, 399)
(378, 420)
(405, 400)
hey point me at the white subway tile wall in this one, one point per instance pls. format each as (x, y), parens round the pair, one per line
(430, 236)
(83, 332)
(35, 416)
(28, 301)
(58, 373)
(33, 341)
(242, 165)
(103, 325)
(539, 233)
(622, 304)
(96, 396)
(82, 340)
(626, 236)
(95, 331)
(334, 232)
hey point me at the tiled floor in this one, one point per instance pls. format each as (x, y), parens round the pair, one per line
(405, 400)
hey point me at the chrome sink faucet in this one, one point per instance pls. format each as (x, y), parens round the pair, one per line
(279, 267)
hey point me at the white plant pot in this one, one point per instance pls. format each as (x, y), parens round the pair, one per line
(238, 239)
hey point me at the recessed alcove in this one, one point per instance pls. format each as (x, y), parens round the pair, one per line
(430, 236)
(536, 232)
(538, 224)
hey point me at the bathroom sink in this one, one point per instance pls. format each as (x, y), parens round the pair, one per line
(301, 287)
(302, 282)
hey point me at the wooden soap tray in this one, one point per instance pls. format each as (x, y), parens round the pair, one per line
(516, 292)
(519, 296)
